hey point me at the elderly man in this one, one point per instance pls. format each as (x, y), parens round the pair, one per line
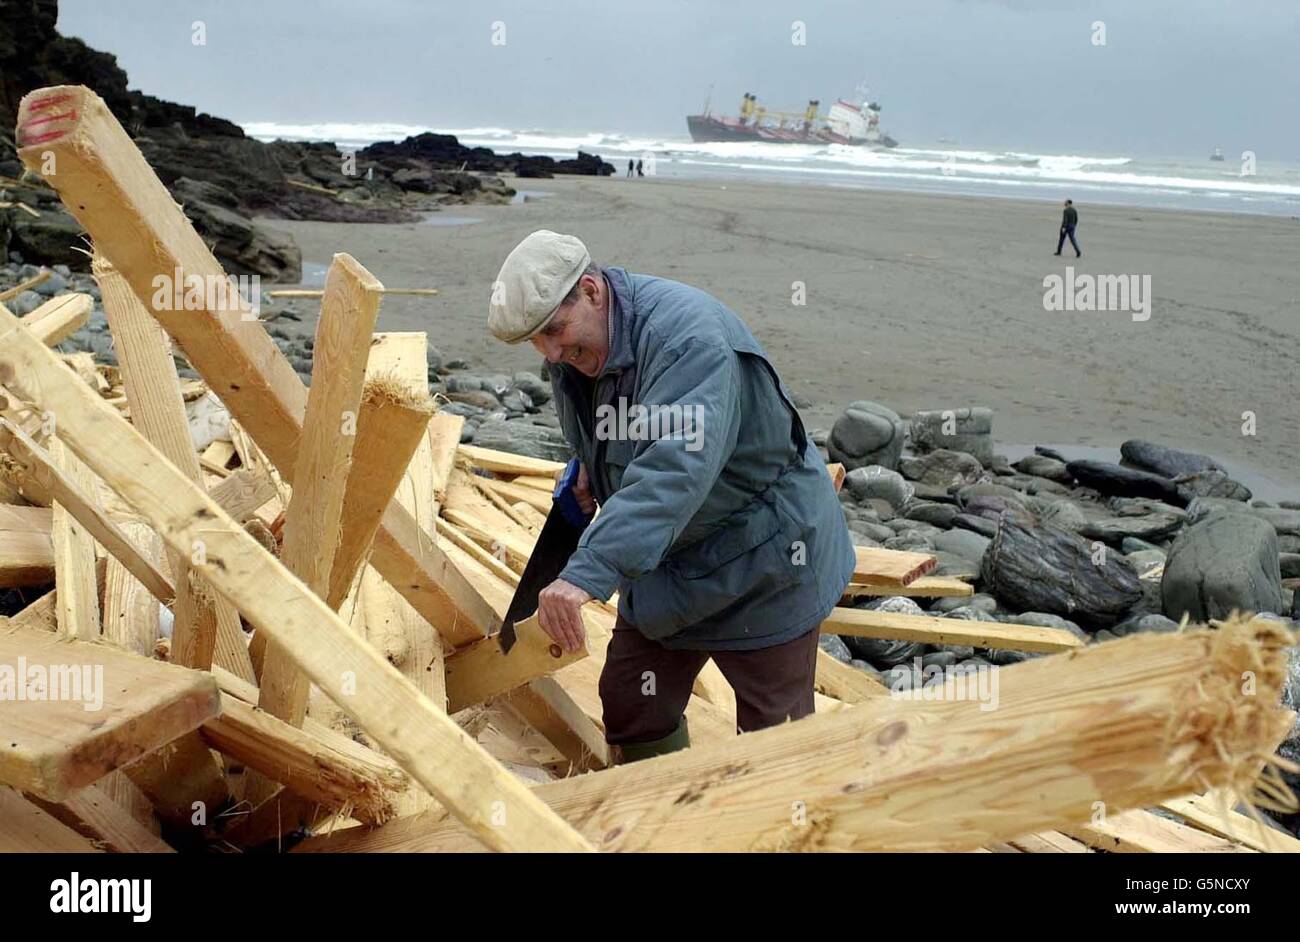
(718, 524)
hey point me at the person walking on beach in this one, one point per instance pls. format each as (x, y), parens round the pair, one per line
(629, 167)
(725, 543)
(1069, 220)
(638, 169)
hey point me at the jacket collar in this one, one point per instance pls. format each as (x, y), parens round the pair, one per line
(621, 354)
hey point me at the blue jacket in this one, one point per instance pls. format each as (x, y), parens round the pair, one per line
(719, 525)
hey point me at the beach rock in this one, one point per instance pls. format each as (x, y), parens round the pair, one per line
(24, 303)
(1289, 564)
(875, 532)
(981, 525)
(1147, 527)
(55, 284)
(866, 433)
(1131, 544)
(53, 237)
(1047, 620)
(964, 543)
(1145, 561)
(1225, 562)
(880, 483)
(969, 613)
(942, 468)
(1283, 520)
(834, 646)
(1154, 622)
(938, 515)
(1064, 515)
(968, 493)
(1164, 461)
(1210, 483)
(1126, 482)
(968, 430)
(243, 247)
(1047, 569)
(1044, 467)
(477, 398)
(910, 542)
(522, 438)
(950, 564)
(980, 601)
(538, 390)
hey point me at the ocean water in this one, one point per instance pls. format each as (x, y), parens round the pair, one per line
(1269, 187)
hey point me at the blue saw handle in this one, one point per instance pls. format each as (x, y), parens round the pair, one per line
(565, 497)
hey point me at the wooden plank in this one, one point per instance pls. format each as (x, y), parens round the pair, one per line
(315, 513)
(489, 459)
(316, 763)
(394, 420)
(536, 499)
(39, 278)
(242, 492)
(99, 819)
(77, 601)
(27, 829)
(845, 682)
(548, 708)
(837, 473)
(59, 318)
(75, 496)
(1140, 832)
(904, 775)
(39, 615)
(421, 738)
(890, 567)
(1204, 813)
(158, 413)
(546, 485)
(444, 442)
(131, 615)
(1050, 842)
(925, 587)
(113, 708)
(864, 623)
(26, 549)
(480, 671)
(109, 187)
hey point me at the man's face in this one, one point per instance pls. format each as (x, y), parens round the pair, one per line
(578, 334)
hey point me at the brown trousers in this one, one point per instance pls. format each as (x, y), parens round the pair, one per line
(644, 687)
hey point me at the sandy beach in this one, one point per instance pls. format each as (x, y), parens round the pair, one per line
(913, 301)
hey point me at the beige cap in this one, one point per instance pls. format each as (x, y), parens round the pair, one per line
(534, 279)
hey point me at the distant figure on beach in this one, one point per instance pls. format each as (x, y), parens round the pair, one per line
(1069, 219)
(629, 168)
(638, 169)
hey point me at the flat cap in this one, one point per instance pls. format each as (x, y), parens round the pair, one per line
(533, 280)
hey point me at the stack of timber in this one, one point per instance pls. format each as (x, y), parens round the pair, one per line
(287, 638)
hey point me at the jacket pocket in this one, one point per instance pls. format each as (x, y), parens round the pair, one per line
(705, 579)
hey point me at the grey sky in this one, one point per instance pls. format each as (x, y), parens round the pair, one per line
(1176, 77)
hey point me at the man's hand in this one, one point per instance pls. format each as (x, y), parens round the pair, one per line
(559, 608)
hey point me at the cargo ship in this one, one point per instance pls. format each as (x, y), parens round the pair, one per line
(854, 122)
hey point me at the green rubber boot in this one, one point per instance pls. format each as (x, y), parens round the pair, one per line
(679, 738)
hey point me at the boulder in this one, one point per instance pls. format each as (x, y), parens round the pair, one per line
(1114, 479)
(1225, 562)
(1145, 527)
(878, 483)
(968, 429)
(1047, 569)
(1210, 483)
(942, 468)
(1167, 462)
(52, 238)
(963, 543)
(866, 433)
(522, 438)
(1044, 467)
(935, 514)
(243, 247)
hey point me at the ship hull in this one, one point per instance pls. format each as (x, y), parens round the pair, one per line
(706, 129)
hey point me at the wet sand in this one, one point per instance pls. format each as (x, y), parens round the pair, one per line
(914, 301)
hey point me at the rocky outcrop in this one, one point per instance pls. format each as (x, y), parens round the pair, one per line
(1224, 562)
